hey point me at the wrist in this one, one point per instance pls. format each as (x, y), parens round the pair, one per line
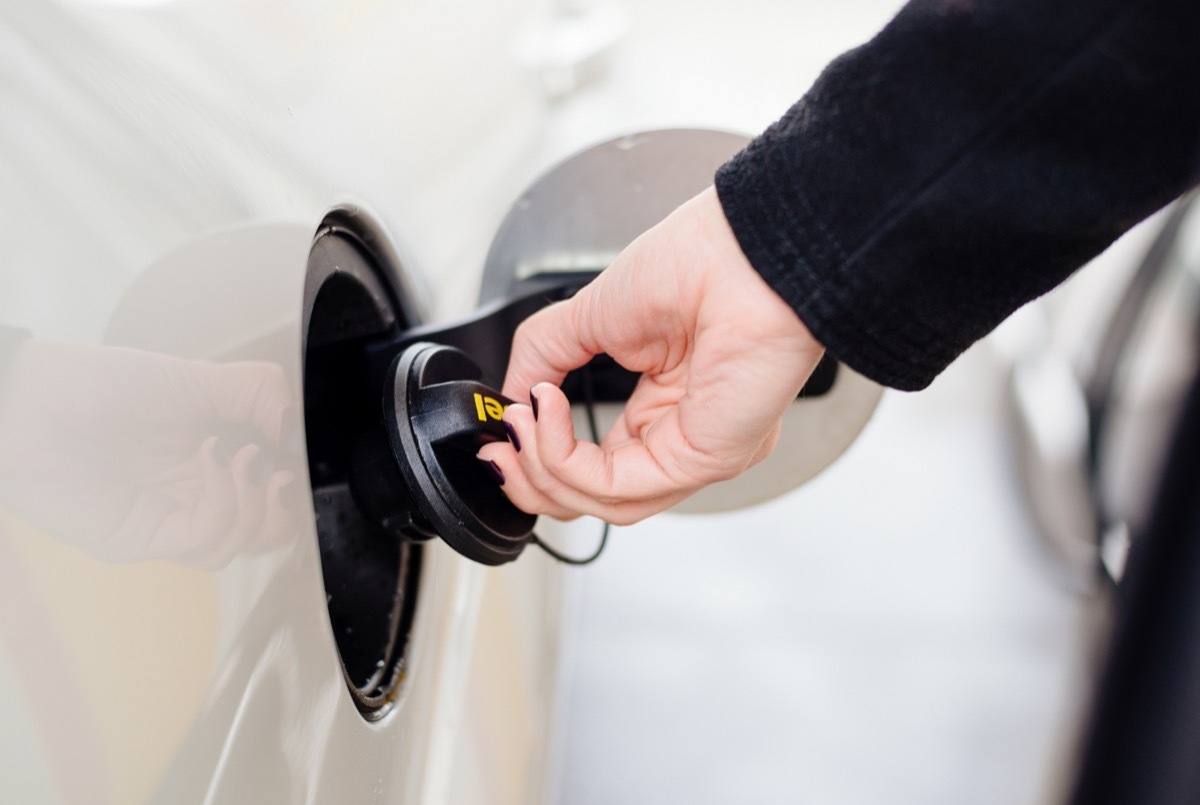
(744, 277)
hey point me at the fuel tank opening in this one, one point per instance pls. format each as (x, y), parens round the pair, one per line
(355, 293)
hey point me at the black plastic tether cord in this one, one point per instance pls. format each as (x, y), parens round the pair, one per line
(572, 560)
(589, 401)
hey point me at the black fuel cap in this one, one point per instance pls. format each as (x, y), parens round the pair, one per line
(425, 481)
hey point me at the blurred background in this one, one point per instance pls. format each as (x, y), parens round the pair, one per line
(898, 630)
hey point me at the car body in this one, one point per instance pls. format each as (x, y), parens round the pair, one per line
(1098, 392)
(167, 169)
(177, 625)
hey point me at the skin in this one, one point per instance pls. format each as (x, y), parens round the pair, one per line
(130, 455)
(721, 357)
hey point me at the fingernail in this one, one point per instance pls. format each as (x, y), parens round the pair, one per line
(494, 469)
(533, 404)
(512, 436)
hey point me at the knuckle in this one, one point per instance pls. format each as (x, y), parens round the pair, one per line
(523, 334)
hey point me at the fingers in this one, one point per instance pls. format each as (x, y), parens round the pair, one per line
(233, 506)
(658, 461)
(549, 344)
(263, 517)
(554, 473)
(517, 485)
(214, 511)
(518, 488)
(250, 472)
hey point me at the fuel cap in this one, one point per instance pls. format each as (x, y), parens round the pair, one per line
(423, 480)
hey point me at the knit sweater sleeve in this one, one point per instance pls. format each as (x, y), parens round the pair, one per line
(963, 162)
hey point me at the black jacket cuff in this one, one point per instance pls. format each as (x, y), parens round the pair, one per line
(963, 162)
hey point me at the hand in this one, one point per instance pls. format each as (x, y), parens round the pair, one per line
(721, 357)
(130, 455)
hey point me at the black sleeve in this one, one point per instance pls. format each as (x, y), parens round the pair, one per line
(964, 161)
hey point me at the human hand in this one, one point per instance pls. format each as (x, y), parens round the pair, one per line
(721, 358)
(131, 455)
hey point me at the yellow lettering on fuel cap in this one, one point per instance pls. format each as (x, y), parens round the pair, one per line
(487, 407)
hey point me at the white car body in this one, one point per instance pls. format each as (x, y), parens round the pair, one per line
(130, 136)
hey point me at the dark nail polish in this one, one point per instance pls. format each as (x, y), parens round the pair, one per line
(533, 404)
(494, 470)
(512, 436)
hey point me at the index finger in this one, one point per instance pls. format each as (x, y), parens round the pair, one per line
(549, 344)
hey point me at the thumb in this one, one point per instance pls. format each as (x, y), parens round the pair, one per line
(549, 344)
